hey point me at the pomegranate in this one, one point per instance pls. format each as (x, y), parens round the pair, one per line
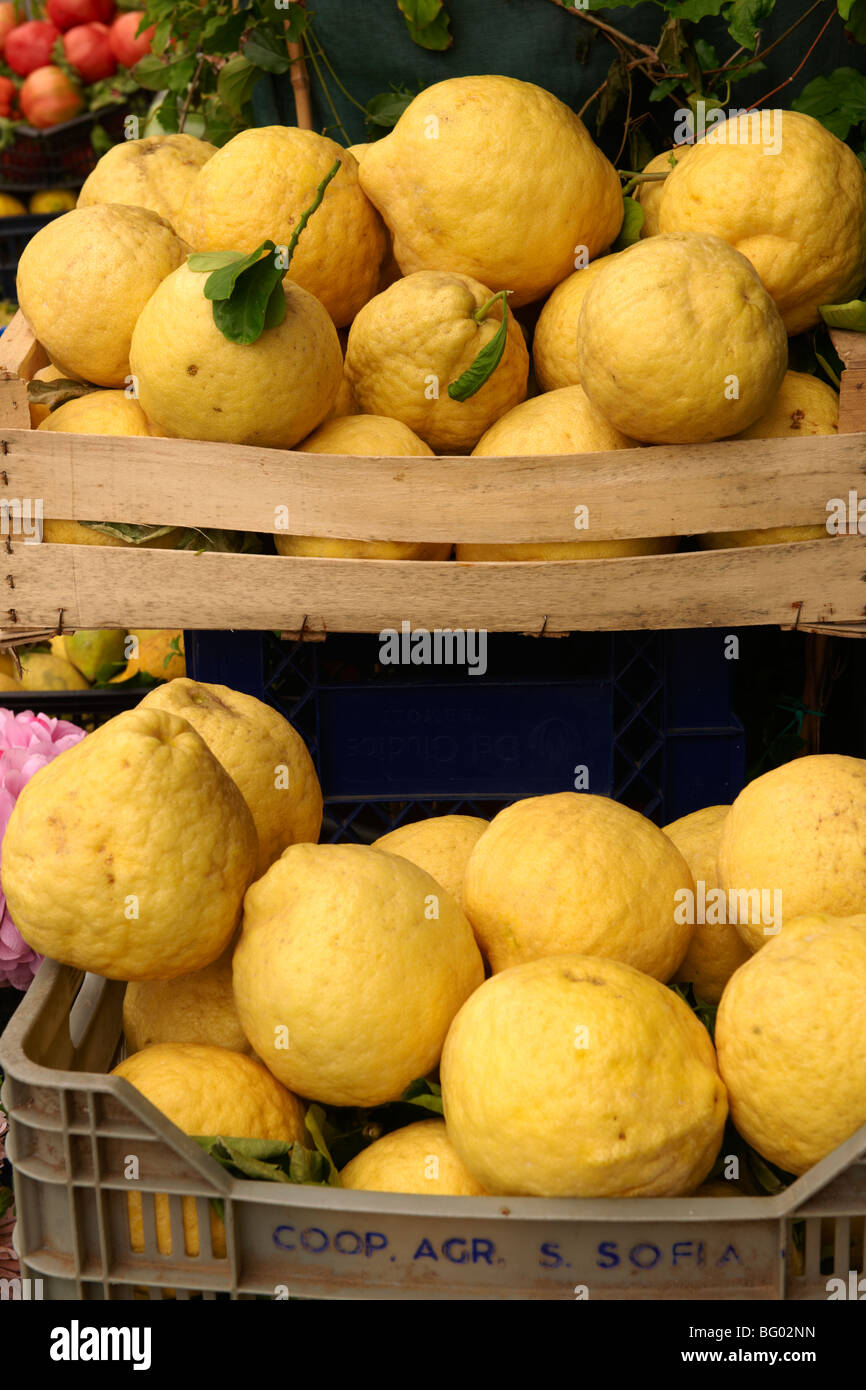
(126, 48)
(67, 13)
(48, 98)
(88, 49)
(8, 20)
(29, 46)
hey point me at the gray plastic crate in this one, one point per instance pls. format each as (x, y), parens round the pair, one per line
(73, 1128)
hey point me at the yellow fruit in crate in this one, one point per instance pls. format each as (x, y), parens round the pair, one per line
(95, 651)
(73, 533)
(350, 967)
(575, 872)
(788, 194)
(344, 404)
(84, 279)
(156, 652)
(49, 200)
(258, 185)
(557, 422)
(41, 671)
(418, 1158)
(39, 412)
(440, 845)
(794, 843)
(716, 949)
(649, 194)
(265, 757)
(99, 412)
(554, 344)
(151, 840)
(679, 342)
(576, 1076)
(196, 1008)
(11, 207)
(7, 664)
(460, 183)
(195, 384)
(206, 1091)
(58, 647)
(363, 435)
(803, 406)
(413, 341)
(791, 1038)
(9, 683)
(156, 172)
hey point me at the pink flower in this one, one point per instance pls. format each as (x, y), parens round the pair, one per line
(27, 742)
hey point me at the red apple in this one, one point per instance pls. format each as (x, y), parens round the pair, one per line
(48, 98)
(88, 49)
(8, 93)
(29, 46)
(67, 13)
(8, 20)
(126, 48)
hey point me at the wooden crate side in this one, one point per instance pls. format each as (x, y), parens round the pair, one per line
(668, 490)
(808, 584)
(20, 351)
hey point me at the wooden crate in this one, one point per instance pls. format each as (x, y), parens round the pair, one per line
(658, 491)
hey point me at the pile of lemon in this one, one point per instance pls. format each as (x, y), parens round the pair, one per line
(398, 284)
(526, 960)
(95, 656)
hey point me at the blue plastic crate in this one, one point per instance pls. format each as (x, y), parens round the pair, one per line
(648, 714)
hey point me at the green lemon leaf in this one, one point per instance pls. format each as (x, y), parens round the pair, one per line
(149, 72)
(315, 1120)
(632, 221)
(489, 357)
(58, 392)
(214, 260)
(385, 109)
(744, 18)
(235, 83)
(851, 315)
(427, 22)
(227, 266)
(266, 51)
(242, 317)
(124, 531)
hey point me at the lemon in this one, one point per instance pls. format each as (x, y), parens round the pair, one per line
(43, 672)
(649, 194)
(791, 1037)
(84, 279)
(49, 200)
(576, 1076)
(716, 949)
(9, 683)
(130, 853)
(11, 207)
(156, 652)
(39, 412)
(440, 845)
(7, 663)
(196, 384)
(418, 1158)
(368, 435)
(196, 1008)
(156, 172)
(350, 967)
(797, 211)
(206, 1091)
(678, 341)
(99, 412)
(73, 533)
(798, 831)
(554, 344)
(344, 403)
(575, 872)
(460, 183)
(410, 343)
(258, 185)
(93, 650)
(802, 406)
(261, 752)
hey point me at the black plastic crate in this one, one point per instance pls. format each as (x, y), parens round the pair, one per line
(648, 714)
(60, 157)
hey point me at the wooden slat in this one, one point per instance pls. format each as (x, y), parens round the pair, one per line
(659, 491)
(19, 350)
(816, 582)
(851, 347)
